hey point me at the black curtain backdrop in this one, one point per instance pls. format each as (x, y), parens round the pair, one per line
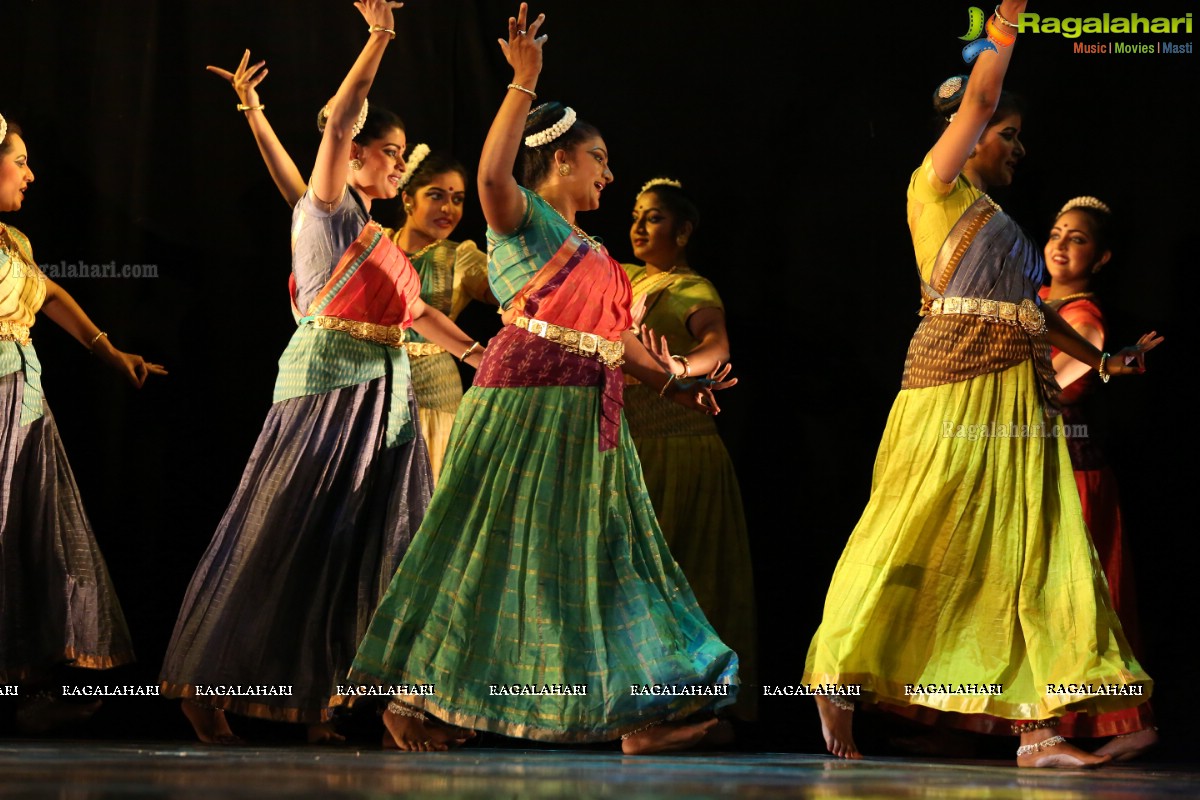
(794, 126)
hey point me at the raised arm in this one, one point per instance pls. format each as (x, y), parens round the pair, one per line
(501, 198)
(979, 102)
(245, 80)
(328, 179)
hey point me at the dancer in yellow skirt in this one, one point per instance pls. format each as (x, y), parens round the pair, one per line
(970, 584)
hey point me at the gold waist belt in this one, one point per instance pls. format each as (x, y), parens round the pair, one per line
(418, 349)
(1026, 313)
(389, 335)
(610, 354)
(14, 332)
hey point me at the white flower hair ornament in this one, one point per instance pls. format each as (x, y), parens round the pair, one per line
(1085, 202)
(414, 160)
(554, 131)
(650, 184)
(3, 128)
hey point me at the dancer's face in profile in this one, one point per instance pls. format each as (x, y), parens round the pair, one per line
(589, 172)
(1071, 251)
(655, 231)
(437, 207)
(15, 174)
(382, 165)
(999, 150)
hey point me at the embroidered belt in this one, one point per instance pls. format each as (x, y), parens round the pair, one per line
(15, 332)
(418, 349)
(610, 354)
(389, 335)
(1026, 313)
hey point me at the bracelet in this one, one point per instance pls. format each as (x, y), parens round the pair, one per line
(1104, 376)
(521, 88)
(670, 379)
(244, 107)
(1000, 18)
(997, 36)
(468, 351)
(687, 368)
(381, 29)
(96, 338)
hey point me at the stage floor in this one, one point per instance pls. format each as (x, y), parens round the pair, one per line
(92, 771)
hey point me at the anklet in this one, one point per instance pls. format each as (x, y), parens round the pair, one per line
(636, 731)
(405, 711)
(839, 702)
(1037, 747)
(1037, 724)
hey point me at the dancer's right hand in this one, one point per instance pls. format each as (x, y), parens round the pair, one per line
(378, 13)
(523, 50)
(245, 79)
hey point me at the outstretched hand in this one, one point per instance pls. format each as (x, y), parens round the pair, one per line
(660, 351)
(523, 50)
(1132, 360)
(378, 13)
(245, 79)
(697, 394)
(135, 368)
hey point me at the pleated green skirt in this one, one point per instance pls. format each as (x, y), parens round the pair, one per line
(540, 570)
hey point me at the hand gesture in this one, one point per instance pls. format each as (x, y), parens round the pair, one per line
(523, 50)
(245, 79)
(378, 13)
(660, 351)
(698, 394)
(132, 366)
(1132, 360)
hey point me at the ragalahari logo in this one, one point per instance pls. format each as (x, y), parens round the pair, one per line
(996, 36)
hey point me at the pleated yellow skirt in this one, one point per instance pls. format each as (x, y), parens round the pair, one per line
(970, 583)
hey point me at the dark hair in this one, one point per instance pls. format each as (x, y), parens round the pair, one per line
(434, 164)
(1102, 225)
(534, 163)
(13, 129)
(947, 99)
(379, 121)
(677, 202)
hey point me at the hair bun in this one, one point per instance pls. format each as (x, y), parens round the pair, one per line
(948, 96)
(547, 122)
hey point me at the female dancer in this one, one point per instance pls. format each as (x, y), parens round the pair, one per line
(971, 564)
(433, 189)
(57, 603)
(539, 597)
(687, 470)
(339, 477)
(1076, 250)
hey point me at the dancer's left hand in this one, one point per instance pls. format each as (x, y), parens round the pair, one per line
(697, 394)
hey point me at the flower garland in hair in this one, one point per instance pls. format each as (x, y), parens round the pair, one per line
(323, 118)
(3, 128)
(554, 131)
(414, 160)
(1085, 202)
(650, 184)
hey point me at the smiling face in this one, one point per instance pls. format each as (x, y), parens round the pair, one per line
(382, 165)
(437, 207)
(999, 150)
(15, 174)
(655, 231)
(1072, 255)
(589, 173)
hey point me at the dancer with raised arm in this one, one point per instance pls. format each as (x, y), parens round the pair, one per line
(339, 478)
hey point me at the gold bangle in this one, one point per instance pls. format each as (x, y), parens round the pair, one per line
(1102, 368)
(244, 107)
(1000, 18)
(521, 88)
(381, 29)
(670, 379)
(687, 368)
(96, 338)
(468, 351)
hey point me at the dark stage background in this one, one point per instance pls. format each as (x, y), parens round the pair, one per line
(795, 126)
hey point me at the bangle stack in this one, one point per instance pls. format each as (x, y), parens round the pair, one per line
(244, 107)
(532, 94)
(1102, 369)
(475, 346)
(381, 29)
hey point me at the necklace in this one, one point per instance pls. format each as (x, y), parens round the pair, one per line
(1058, 301)
(423, 250)
(595, 243)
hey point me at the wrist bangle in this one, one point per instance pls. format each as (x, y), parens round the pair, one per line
(96, 338)
(1000, 18)
(687, 368)
(521, 88)
(244, 107)
(381, 29)
(1104, 376)
(468, 351)
(670, 379)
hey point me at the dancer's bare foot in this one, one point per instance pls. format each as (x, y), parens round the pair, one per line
(1059, 754)
(209, 724)
(414, 734)
(837, 728)
(1129, 746)
(324, 733)
(665, 737)
(43, 712)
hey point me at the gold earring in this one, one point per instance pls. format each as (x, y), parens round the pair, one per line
(564, 169)
(681, 240)
(408, 208)
(355, 164)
